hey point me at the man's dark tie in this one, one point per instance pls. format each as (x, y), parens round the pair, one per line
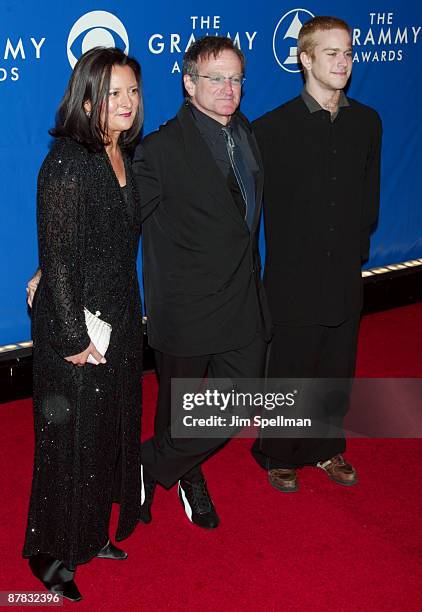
(244, 176)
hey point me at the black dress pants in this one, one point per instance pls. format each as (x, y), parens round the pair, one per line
(313, 351)
(167, 459)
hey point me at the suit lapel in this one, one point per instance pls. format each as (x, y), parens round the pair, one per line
(203, 166)
(259, 188)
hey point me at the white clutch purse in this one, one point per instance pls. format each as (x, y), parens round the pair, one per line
(99, 331)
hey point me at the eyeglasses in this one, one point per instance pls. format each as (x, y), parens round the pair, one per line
(235, 81)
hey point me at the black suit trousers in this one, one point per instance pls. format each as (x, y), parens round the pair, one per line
(312, 351)
(167, 459)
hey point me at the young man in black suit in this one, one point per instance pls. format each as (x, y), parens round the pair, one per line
(321, 154)
(200, 181)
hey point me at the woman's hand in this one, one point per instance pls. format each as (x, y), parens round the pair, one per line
(32, 287)
(81, 358)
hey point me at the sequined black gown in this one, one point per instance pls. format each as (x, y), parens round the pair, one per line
(87, 419)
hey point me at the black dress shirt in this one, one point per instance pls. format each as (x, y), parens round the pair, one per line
(211, 132)
(321, 199)
(314, 106)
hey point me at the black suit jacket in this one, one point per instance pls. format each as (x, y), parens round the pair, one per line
(321, 201)
(201, 266)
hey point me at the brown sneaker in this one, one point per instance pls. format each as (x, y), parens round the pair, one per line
(283, 479)
(339, 471)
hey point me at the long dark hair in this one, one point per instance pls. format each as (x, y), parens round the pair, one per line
(90, 81)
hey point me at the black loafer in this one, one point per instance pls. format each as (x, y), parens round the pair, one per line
(109, 551)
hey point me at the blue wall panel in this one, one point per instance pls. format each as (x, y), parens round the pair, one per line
(38, 41)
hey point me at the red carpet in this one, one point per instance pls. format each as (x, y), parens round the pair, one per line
(326, 548)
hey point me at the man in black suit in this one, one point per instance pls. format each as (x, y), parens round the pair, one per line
(200, 181)
(321, 153)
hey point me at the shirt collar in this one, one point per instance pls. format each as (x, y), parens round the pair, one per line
(207, 125)
(314, 106)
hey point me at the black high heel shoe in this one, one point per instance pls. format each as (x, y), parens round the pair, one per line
(109, 551)
(55, 576)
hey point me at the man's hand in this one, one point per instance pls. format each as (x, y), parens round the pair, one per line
(32, 287)
(81, 358)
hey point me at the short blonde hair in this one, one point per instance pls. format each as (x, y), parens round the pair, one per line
(306, 41)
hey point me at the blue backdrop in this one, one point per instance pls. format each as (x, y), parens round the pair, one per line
(40, 42)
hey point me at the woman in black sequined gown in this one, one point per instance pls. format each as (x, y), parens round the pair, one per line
(87, 418)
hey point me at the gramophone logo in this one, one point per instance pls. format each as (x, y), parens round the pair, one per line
(285, 38)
